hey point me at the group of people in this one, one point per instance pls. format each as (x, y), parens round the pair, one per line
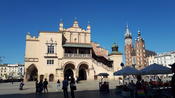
(40, 86)
(72, 87)
(138, 89)
(141, 88)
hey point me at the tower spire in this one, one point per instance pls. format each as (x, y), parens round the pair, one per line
(127, 32)
(139, 33)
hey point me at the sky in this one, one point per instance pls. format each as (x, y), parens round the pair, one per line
(108, 19)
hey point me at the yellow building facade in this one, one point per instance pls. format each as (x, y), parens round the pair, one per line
(68, 52)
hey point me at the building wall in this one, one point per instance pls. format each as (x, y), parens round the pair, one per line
(36, 55)
(11, 70)
(164, 59)
(117, 60)
(128, 56)
(140, 54)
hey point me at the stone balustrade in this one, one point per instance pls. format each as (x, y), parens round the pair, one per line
(73, 55)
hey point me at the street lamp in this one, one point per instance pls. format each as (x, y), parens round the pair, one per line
(122, 65)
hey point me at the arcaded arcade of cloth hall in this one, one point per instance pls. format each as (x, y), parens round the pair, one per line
(68, 52)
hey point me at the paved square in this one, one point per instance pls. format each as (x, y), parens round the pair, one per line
(85, 89)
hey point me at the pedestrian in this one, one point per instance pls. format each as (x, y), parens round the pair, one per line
(140, 88)
(40, 86)
(120, 81)
(37, 86)
(58, 84)
(173, 80)
(72, 86)
(132, 88)
(77, 79)
(64, 87)
(45, 83)
(21, 85)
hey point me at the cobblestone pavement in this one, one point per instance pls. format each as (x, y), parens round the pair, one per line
(85, 89)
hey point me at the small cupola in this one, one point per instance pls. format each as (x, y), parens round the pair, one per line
(61, 26)
(114, 47)
(75, 24)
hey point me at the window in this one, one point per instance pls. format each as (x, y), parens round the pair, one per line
(50, 61)
(50, 49)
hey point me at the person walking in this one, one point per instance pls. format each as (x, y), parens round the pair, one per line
(72, 86)
(21, 85)
(58, 84)
(64, 87)
(37, 86)
(173, 80)
(45, 83)
(40, 86)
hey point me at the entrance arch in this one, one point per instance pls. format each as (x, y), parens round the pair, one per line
(82, 73)
(68, 70)
(51, 77)
(32, 73)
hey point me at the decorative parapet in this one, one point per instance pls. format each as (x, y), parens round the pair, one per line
(31, 59)
(31, 38)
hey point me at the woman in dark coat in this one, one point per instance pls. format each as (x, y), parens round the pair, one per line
(72, 86)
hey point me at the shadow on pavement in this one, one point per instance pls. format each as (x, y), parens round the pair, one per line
(78, 94)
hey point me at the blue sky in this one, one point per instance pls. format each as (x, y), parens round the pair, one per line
(155, 18)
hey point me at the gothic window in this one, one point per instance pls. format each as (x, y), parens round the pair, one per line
(50, 49)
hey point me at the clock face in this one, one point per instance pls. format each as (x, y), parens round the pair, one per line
(128, 41)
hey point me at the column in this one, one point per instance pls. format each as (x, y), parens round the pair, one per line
(91, 52)
(77, 50)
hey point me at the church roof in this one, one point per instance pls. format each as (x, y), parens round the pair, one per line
(150, 53)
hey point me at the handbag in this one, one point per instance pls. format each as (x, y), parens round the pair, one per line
(73, 86)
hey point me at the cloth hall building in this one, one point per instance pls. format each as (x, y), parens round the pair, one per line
(68, 52)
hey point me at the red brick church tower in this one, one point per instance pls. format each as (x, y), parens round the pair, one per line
(140, 52)
(128, 47)
(134, 55)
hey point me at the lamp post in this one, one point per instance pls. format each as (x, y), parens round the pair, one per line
(122, 65)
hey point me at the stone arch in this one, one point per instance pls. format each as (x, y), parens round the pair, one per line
(51, 77)
(68, 70)
(69, 62)
(32, 73)
(82, 71)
